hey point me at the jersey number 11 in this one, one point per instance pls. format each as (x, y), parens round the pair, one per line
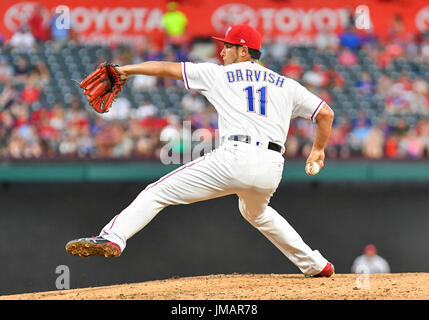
(262, 92)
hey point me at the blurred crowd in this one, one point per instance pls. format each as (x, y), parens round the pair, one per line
(32, 128)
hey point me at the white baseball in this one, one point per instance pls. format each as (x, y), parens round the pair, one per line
(313, 168)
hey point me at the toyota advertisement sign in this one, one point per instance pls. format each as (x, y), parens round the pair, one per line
(294, 21)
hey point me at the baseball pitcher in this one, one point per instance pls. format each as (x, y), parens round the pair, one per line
(255, 106)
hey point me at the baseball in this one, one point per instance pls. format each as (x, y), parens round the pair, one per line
(313, 169)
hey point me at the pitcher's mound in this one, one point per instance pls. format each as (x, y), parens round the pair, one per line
(399, 286)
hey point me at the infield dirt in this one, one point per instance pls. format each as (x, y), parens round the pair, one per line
(393, 286)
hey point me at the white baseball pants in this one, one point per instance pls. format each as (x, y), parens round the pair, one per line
(252, 172)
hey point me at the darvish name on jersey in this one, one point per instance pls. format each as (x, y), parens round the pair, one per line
(254, 76)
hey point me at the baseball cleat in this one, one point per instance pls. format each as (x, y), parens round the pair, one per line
(328, 271)
(86, 247)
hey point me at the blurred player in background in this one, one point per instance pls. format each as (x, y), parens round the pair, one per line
(370, 262)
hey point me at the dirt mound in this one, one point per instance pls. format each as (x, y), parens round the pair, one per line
(393, 286)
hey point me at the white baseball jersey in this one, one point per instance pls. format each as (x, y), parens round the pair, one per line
(251, 99)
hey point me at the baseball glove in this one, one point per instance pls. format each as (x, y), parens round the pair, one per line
(102, 86)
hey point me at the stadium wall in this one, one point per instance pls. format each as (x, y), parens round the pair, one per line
(134, 171)
(337, 218)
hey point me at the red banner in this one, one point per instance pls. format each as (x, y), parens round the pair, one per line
(293, 20)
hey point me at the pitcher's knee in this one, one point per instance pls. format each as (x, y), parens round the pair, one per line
(254, 217)
(150, 198)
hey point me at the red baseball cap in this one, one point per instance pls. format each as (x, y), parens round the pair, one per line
(244, 35)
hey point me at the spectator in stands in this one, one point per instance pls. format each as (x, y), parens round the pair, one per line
(400, 95)
(57, 117)
(361, 127)
(336, 80)
(122, 55)
(419, 97)
(411, 46)
(123, 143)
(361, 118)
(7, 121)
(400, 128)
(396, 29)
(337, 144)
(394, 49)
(370, 262)
(154, 124)
(146, 145)
(106, 139)
(22, 70)
(292, 69)
(22, 40)
(192, 102)
(30, 141)
(31, 92)
(326, 39)
(8, 96)
(144, 83)
(203, 50)
(384, 85)
(206, 119)
(350, 39)
(42, 73)
(170, 55)
(383, 58)
(366, 85)
(304, 131)
(175, 23)
(396, 144)
(3, 136)
(368, 38)
(75, 115)
(275, 50)
(347, 57)
(69, 144)
(422, 129)
(412, 145)
(373, 145)
(391, 147)
(16, 145)
(359, 133)
(85, 143)
(349, 16)
(50, 138)
(152, 53)
(6, 70)
(146, 109)
(316, 77)
(121, 110)
(396, 102)
(38, 27)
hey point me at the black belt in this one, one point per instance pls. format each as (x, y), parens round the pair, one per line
(242, 138)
